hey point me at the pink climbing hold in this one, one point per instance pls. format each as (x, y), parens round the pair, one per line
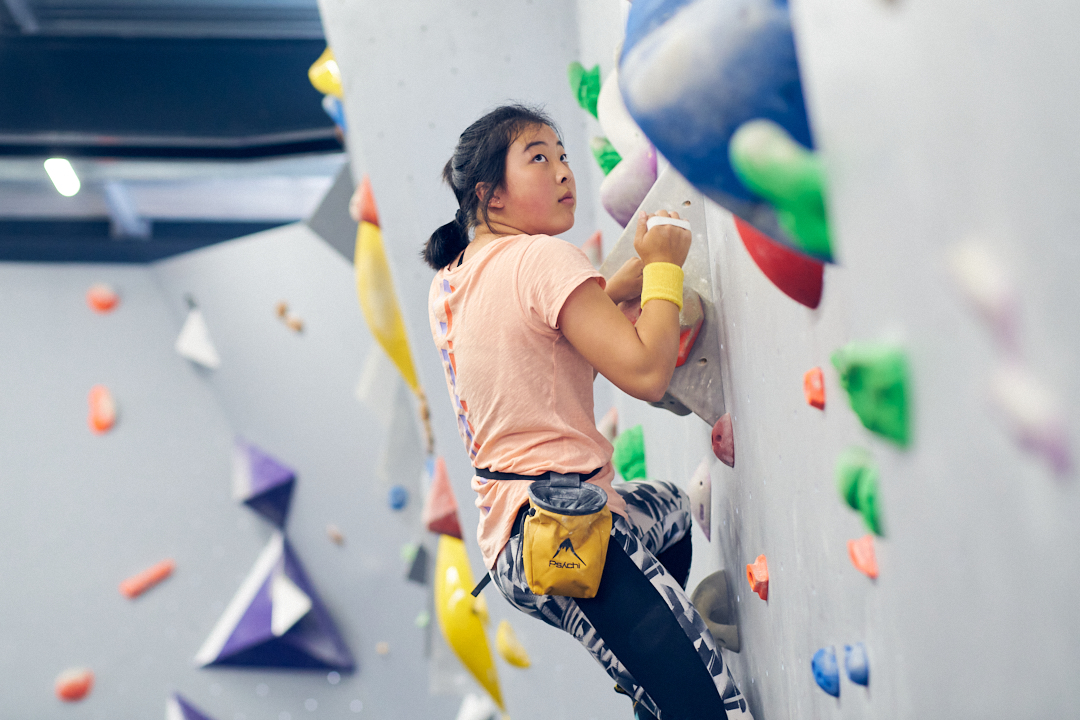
(74, 684)
(102, 410)
(440, 509)
(757, 573)
(723, 441)
(862, 556)
(102, 298)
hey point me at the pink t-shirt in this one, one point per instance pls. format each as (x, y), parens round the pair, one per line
(523, 394)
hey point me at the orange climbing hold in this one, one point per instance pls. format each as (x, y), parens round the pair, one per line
(74, 684)
(366, 201)
(814, 387)
(136, 585)
(757, 573)
(102, 298)
(102, 410)
(862, 555)
(440, 514)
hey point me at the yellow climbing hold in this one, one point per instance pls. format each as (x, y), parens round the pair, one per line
(510, 647)
(458, 619)
(325, 74)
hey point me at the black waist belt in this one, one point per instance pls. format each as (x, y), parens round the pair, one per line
(495, 475)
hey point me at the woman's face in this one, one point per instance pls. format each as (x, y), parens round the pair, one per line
(539, 195)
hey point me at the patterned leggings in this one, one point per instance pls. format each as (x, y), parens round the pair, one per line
(660, 516)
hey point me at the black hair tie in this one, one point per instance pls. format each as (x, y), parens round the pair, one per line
(460, 218)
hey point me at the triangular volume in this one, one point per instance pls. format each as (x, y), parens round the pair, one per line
(194, 341)
(261, 482)
(441, 510)
(177, 708)
(276, 619)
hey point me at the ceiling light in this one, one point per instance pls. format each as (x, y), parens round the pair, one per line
(63, 176)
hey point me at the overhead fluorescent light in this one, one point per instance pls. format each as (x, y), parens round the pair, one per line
(63, 176)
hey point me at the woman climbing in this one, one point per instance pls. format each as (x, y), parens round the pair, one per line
(523, 322)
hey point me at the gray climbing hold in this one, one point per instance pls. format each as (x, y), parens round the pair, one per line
(713, 603)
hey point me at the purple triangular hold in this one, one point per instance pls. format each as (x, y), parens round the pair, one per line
(181, 709)
(262, 482)
(244, 636)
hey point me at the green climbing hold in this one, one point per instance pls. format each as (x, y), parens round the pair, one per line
(875, 376)
(629, 454)
(607, 157)
(789, 177)
(857, 481)
(586, 85)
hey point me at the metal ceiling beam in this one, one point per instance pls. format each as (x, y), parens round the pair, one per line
(23, 16)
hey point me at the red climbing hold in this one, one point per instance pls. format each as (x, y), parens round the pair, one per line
(862, 555)
(102, 410)
(691, 318)
(723, 441)
(797, 276)
(102, 298)
(74, 684)
(814, 387)
(136, 585)
(757, 573)
(440, 510)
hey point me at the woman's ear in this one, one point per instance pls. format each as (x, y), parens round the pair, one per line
(496, 201)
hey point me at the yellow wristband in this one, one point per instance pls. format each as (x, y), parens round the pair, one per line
(662, 281)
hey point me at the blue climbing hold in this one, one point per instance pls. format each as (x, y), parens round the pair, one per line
(857, 664)
(826, 671)
(399, 497)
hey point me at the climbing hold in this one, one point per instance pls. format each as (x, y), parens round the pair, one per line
(768, 161)
(609, 425)
(757, 574)
(875, 376)
(276, 619)
(607, 157)
(627, 184)
(826, 671)
(334, 533)
(478, 707)
(74, 684)
(423, 619)
(1034, 416)
(619, 128)
(136, 585)
(102, 410)
(262, 482)
(178, 708)
(713, 603)
(398, 497)
(510, 647)
(692, 73)
(480, 607)
(194, 341)
(863, 557)
(799, 277)
(382, 647)
(440, 514)
(857, 482)
(987, 285)
(700, 493)
(723, 440)
(102, 298)
(814, 388)
(857, 664)
(593, 249)
(463, 630)
(325, 75)
(585, 85)
(628, 456)
(375, 289)
(691, 318)
(418, 566)
(334, 108)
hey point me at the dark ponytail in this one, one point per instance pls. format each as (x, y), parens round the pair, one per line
(479, 158)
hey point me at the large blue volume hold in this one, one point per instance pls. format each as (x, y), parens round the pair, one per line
(857, 664)
(826, 671)
(693, 71)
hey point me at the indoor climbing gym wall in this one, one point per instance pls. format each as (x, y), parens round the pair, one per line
(235, 487)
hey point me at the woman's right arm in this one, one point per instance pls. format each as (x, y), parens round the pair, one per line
(638, 358)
